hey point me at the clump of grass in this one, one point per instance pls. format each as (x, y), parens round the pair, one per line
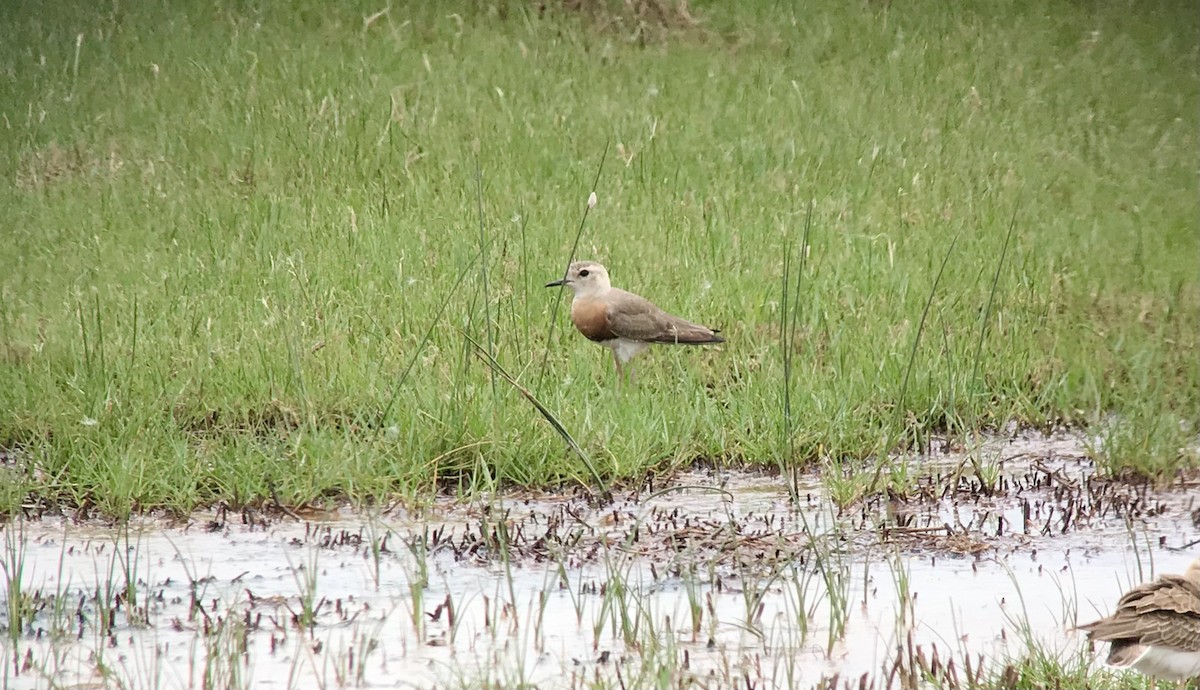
(18, 611)
(308, 601)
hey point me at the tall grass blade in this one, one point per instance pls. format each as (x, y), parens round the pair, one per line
(912, 358)
(412, 360)
(788, 323)
(570, 258)
(987, 310)
(912, 355)
(604, 494)
(483, 269)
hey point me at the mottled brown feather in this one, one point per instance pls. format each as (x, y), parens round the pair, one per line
(1164, 613)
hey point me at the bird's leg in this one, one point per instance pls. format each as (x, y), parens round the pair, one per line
(620, 374)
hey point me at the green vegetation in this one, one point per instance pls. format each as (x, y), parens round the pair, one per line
(247, 246)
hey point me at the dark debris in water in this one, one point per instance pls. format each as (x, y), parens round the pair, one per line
(947, 513)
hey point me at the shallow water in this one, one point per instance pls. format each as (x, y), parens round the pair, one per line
(719, 580)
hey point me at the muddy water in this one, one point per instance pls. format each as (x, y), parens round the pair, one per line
(715, 579)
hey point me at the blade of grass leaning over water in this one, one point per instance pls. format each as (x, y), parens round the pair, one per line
(912, 355)
(604, 494)
(483, 270)
(789, 315)
(462, 275)
(987, 310)
(898, 424)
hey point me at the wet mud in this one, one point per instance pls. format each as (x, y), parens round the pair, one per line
(714, 579)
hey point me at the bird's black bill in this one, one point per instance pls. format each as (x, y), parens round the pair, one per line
(556, 283)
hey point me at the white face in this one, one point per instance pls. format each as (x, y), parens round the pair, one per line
(585, 277)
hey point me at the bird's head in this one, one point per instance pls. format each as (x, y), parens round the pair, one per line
(584, 278)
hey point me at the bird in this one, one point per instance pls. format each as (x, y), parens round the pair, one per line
(1156, 627)
(624, 322)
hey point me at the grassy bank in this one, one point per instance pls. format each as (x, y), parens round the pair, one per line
(246, 248)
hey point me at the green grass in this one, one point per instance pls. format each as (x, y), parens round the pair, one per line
(231, 228)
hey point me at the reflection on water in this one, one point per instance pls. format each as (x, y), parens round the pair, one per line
(693, 585)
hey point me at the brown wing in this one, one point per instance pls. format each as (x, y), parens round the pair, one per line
(1170, 593)
(1174, 631)
(1164, 612)
(636, 318)
(1157, 628)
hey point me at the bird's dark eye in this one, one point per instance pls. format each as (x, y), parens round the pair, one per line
(584, 273)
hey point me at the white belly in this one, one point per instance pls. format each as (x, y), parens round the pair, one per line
(1169, 664)
(626, 349)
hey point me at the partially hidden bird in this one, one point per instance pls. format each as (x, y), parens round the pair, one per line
(622, 321)
(1156, 627)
